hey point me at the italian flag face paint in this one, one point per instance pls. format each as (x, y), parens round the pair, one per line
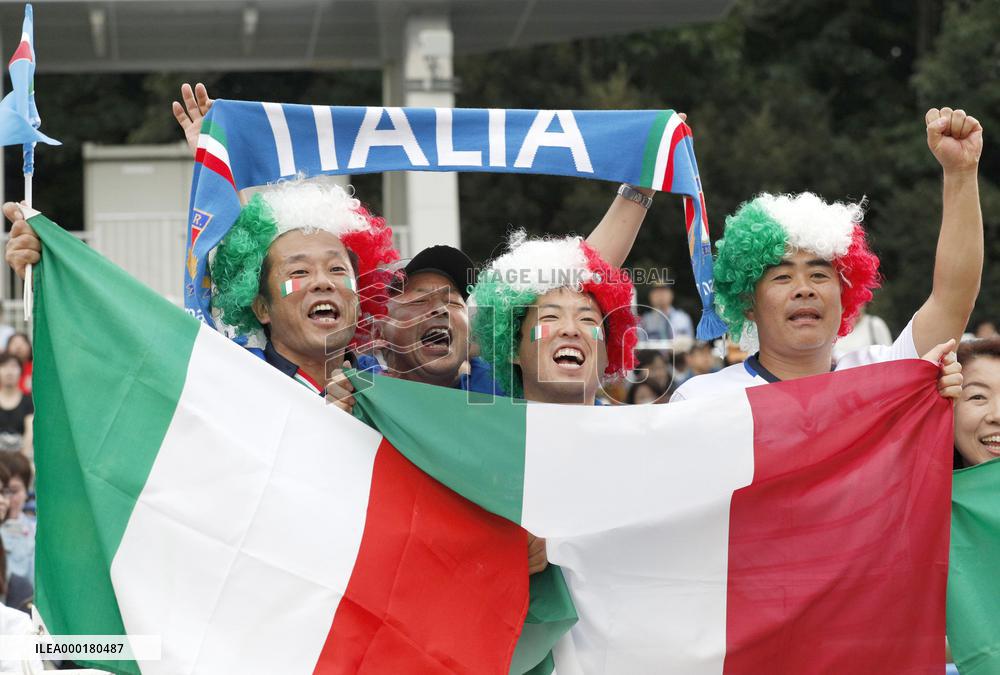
(597, 333)
(351, 284)
(540, 331)
(291, 286)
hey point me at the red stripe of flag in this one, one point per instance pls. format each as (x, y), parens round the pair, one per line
(215, 164)
(440, 585)
(838, 555)
(23, 52)
(680, 132)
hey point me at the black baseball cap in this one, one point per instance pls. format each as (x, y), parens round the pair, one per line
(445, 260)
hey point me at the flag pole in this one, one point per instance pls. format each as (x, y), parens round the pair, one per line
(28, 297)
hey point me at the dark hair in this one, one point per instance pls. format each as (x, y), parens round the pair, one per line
(18, 465)
(630, 396)
(967, 352)
(970, 350)
(27, 341)
(645, 357)
(7, 357)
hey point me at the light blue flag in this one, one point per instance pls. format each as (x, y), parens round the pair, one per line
(19, 119)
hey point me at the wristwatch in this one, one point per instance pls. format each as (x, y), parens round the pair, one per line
(633, 195)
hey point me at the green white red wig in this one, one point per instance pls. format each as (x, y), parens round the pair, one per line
(307, 205)
(530, 268)
(769, 228)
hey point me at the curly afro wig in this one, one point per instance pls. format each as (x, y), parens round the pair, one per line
(299, 205)
(531, 268)
(766, 229)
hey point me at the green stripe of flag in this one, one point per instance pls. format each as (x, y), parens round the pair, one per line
(973, 584)
(86, 309)
(215, 130)
(495, 417)
(653, 147)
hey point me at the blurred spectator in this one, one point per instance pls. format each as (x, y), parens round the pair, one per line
(734, 354)
(15, 590)
(653, 368)
(702, 360)
(19, 345)
(664, 321)
(679, 369)
(985, 329)
(613, 391)
(18, 530)
(869, 330)
(16, 409)
(644, 392)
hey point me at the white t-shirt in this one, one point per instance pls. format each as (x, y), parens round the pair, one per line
(747, 374)
(14, 622)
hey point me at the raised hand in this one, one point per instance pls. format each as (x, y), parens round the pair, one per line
(956, 139)
(190, 115)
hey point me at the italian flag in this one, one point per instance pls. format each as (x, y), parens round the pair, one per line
(188, 490)
(212, 152)
(973, 582)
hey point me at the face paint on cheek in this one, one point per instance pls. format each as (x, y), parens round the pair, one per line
(291, 286)
(540, 331)
(597, 333)
(351, 284)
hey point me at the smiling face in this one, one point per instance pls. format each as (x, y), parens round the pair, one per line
(564, 361)
(977, 412)
(320, 315)
(797, 305)
(427, 330)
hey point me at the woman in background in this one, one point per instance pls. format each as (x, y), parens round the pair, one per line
(17, 412)
(19, 345)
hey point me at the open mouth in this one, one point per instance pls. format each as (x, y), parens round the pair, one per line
(436, 337)
(992, 444)
(324, 312)
(805, 315)
(569, 358)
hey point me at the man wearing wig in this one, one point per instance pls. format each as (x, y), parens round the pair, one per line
(298, 269)
(794, 271)
(552, 316)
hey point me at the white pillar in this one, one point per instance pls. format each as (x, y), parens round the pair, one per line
(394, 182)
(431, 196)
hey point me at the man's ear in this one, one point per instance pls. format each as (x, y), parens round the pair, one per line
(261, 310)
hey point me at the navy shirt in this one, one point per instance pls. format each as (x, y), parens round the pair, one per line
(271, 355)
(479, 379)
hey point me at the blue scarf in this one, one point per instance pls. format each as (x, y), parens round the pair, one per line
(245, 144)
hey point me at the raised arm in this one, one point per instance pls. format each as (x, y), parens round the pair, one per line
(615, 234)
(956, 140)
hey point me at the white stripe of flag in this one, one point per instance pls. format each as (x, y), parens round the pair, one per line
(663, 152)
(282, 138)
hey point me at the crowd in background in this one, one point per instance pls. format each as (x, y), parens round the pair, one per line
(17, 501)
